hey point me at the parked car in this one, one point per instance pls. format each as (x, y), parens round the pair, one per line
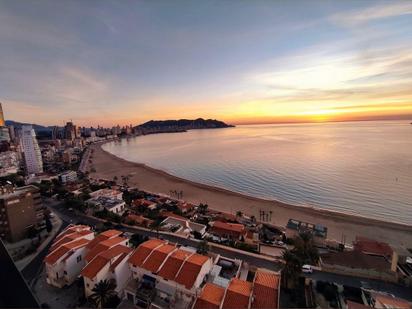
(307, 269)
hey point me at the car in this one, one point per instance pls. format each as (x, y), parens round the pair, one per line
(307, 269)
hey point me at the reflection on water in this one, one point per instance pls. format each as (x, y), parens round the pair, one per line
(356, 167)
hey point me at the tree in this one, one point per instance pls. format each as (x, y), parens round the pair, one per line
(305, 248)
(292, 268)
(203, 247)
(203, 208)
(239, 214)
(103, 291)
(155, 226)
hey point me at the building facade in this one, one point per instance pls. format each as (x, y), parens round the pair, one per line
(31, 149)
(20, 210)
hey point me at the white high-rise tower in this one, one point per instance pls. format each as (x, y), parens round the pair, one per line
(31, 149)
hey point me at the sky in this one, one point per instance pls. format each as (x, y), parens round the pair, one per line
(127, 62)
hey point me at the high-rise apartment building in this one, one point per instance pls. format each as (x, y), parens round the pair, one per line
(31, 149)
(2, 122)
(20, 209)
(4, 131)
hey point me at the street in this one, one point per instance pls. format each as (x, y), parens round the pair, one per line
(396, 290)
(71, 217)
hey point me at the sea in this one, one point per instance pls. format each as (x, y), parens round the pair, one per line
(362, 168)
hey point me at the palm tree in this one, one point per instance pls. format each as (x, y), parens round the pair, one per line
(103, 291)
(203, 247)
(305, 248)
(156, 225)
(292, 269)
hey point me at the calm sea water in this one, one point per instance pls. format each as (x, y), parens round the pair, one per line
(362, 168)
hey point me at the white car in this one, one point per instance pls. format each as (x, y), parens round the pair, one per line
(307, 269)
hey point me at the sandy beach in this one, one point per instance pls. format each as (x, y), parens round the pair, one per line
(340, 226)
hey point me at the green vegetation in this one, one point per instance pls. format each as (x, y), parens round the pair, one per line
(304, 252)
(103, 294)
(108, 215)
(203, 208)
(203, 247)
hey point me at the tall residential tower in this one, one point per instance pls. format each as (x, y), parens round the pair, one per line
(31, 149)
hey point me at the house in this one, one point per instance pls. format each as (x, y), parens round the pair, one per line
(66, 257)
(376, 248)
(138, 220)
(227, 230)
(182, 226)
(210, 298)
(167, 272)
(68, 176)
(266, 290)
(355, 263)
(238, 295)
(185, 207)
(110, 264)
(145, 204)
(112, 204)
(116, 194)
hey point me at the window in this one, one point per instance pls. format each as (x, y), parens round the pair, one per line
(79, 258)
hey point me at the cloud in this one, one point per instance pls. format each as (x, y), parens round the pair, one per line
(386, 10)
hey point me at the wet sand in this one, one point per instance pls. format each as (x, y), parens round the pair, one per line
(340, 226)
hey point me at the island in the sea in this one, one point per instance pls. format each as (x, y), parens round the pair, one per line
(181, 125)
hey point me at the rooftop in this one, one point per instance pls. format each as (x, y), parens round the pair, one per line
(265, 290)
(238, 294)
(369, 246)
(211, 297)
(234, 227)
(173, 263)
(103, 259)
(58, 253)
(190, 270)
(157, 257)
(356, 259)
(142, 252)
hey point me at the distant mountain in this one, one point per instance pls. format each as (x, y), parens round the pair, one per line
(18, 125)
(183, 124)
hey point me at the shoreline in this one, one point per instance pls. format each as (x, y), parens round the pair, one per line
(341, 226)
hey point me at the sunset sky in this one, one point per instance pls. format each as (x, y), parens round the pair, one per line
(121, 62)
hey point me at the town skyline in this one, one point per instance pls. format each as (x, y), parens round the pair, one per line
(121, 63)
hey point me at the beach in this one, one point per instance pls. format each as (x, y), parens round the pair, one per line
(341, 227)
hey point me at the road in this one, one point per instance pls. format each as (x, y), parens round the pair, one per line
(71, 217)
(357, 282)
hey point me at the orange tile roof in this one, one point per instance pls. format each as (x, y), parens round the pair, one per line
(392, 302)
(370, 246)
(237, 294)
(102, 246)
(157, 257)
(94, 267)
(233, 227)
(190, 270)
(103, 258)
(211, 297)
(96, 240)
(265, 290)
(55, 255)
(118, 260)
(115, 251)
(111, 233)
(143, 251)
(173, 264)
